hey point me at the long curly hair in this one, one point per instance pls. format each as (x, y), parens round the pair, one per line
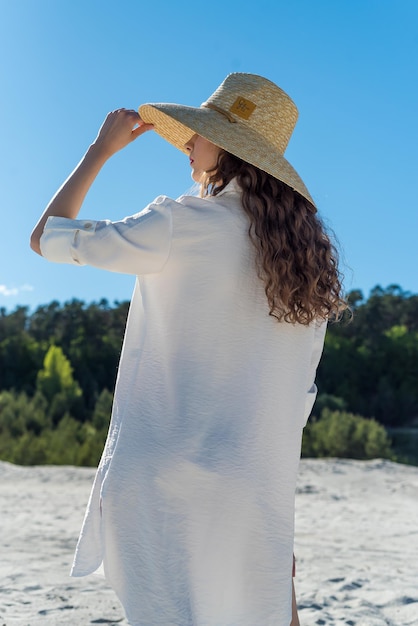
(295, 258)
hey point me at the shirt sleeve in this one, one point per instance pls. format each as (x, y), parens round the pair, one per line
(319, 336)
(139, 244)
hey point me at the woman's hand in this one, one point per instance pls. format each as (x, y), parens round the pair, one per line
(120, 128)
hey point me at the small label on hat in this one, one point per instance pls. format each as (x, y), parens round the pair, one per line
(243, 107)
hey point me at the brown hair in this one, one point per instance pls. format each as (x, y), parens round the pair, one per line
(295, 257)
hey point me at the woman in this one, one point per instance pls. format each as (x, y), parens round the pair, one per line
(192, 508)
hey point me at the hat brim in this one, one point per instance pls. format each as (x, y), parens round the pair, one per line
(178, 123)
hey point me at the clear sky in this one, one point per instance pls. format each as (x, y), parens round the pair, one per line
(351, 66)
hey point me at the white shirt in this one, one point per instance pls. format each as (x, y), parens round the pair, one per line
(192, 507)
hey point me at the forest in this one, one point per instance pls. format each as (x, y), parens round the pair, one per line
(58, 367)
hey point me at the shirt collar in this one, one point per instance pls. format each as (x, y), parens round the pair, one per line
(231, 187)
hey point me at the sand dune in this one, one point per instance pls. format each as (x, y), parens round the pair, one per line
(356, 546)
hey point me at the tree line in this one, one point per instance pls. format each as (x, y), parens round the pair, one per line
(58, 368)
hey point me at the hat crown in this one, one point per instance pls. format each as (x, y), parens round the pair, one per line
(259, 104)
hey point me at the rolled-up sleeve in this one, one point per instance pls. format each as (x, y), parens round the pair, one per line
(139, 244)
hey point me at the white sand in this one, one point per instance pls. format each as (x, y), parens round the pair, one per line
(357, 543)
(356, 546)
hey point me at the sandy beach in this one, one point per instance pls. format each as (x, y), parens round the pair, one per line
(356, 546)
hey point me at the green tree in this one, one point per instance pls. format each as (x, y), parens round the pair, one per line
(102, 410)
(56, 383)
(23, 422)
(344, 435)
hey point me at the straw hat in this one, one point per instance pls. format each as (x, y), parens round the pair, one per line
(248, 116)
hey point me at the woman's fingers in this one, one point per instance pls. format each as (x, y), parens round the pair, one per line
(141, 129)
(120, 128)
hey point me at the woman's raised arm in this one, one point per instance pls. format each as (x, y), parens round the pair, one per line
(120, 128)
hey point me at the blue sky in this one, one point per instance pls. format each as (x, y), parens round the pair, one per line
(350, 65)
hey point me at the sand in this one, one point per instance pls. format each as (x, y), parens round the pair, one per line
(356, 546)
